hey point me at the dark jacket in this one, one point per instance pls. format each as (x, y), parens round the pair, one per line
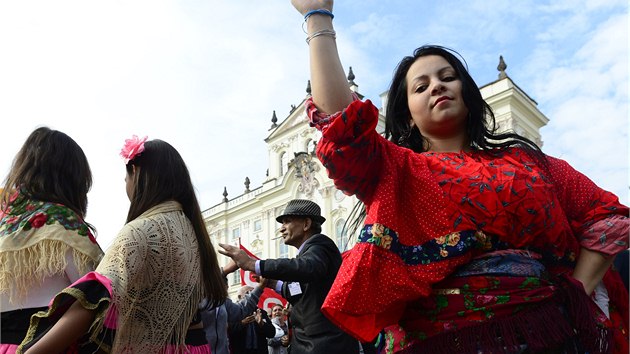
(314, 269)
(215, 321)
(251, 338)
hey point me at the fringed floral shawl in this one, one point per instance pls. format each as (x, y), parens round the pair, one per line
(35, 237)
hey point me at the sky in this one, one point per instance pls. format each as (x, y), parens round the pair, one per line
(206, 76)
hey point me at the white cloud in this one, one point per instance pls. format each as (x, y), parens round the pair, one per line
(586, 94)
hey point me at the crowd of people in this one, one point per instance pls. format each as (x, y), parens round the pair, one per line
(472, 241)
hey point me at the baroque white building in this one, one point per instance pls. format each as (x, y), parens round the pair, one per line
(295, 172)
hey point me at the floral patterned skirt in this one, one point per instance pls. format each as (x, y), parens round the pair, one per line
(504, 302)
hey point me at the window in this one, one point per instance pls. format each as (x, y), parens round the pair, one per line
(339, 195)
(284, 163)
(236, 234)
(257, 225)
(341, 235)
(283, 250)
(236, 277)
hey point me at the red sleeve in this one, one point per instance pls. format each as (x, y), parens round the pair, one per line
(596, 216)
(350, 149)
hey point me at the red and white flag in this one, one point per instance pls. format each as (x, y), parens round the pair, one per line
(269, 297)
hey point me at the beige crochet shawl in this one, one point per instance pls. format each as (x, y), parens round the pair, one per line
(155, 271)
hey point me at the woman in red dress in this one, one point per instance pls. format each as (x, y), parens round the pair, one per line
(474, 241)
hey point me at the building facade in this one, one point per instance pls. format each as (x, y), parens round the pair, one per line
(295, 172)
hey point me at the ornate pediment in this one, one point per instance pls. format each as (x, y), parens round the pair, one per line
(305, 167)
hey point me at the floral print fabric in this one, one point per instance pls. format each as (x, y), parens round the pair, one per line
(35, 237)
(26, 214)
(451, 245)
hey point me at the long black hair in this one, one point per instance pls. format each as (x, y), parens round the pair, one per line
(481, 128)
(161, 176)
(50, 167)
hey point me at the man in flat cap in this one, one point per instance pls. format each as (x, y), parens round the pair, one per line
(305, 280)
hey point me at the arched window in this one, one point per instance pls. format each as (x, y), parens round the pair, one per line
(284, 163)
(257, 225)
(341, 235)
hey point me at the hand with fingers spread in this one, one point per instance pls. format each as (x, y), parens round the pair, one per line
(239, 256)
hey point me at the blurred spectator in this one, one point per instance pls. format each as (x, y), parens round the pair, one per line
(215, 321)
(279, 343)
(249, 335)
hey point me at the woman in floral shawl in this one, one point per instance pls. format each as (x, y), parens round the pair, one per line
(45, 244)
(144, 296)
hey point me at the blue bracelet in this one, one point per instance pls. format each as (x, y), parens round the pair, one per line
(319, 11)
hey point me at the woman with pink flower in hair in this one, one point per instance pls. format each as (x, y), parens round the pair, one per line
(45, 243)
(144, 296)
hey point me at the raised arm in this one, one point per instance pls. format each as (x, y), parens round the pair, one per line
(328, 81)
(238, 311)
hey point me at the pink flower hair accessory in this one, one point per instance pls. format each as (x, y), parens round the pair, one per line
(132, 148)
